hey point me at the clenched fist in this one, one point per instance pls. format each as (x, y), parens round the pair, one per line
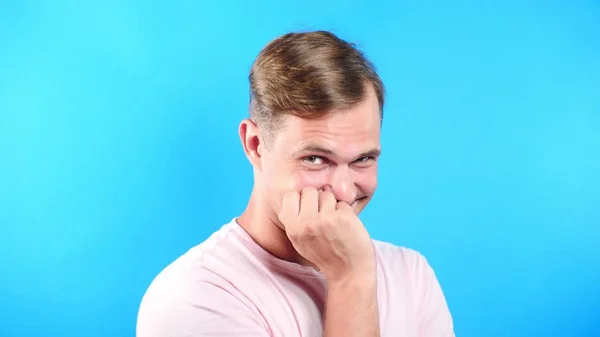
(327, 233)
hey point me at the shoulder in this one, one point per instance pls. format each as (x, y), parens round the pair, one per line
(389, 253)
(408, 269)
(193, 295)
(403, 263)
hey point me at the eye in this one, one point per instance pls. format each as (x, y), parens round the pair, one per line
(364, 161)
(314, 160)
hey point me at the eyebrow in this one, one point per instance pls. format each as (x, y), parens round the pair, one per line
(311, 148)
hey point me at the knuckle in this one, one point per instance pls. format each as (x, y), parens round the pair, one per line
(325, 218)
(310, 229)
(343, 207)
(327, 195)
(341, 215)
(309, 190)
(310, 226)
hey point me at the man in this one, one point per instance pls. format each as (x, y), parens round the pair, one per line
(298, 261)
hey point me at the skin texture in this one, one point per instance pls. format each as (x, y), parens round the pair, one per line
(311, 182)
(337, 153)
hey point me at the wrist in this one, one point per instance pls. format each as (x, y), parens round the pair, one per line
(365, 278)
(359, 271)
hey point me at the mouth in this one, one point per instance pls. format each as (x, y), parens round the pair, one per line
(357, 201)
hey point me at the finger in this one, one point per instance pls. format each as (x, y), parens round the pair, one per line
(309, 201)
(290, 207)
(327, 202)
(343, 206)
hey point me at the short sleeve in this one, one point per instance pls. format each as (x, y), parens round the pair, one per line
(434, 316)
(203, 308)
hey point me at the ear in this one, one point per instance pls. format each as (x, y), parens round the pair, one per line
(251, 142)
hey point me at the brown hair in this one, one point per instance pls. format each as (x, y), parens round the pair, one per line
(308, 75)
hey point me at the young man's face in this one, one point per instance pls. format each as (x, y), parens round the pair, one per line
(338, 153)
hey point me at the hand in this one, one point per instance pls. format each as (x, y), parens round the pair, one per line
(328, 234)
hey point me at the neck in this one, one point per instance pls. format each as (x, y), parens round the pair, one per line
(261, 223)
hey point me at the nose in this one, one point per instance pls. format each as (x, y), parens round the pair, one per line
(342, 185)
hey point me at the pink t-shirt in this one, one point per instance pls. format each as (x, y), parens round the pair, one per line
(229, 286)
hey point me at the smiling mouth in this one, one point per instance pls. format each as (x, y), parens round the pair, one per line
(355, 202)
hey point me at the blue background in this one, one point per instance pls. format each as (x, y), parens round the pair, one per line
(119, 151)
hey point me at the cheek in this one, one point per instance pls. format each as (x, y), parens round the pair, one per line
(316, 179)
(280, 182)
(366, 181)
(295, 181)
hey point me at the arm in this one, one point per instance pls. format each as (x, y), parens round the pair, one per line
(351, 309)
(328, 234)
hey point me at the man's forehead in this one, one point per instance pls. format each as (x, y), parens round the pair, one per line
(340, 130)
(336, 121)
(336, 149)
